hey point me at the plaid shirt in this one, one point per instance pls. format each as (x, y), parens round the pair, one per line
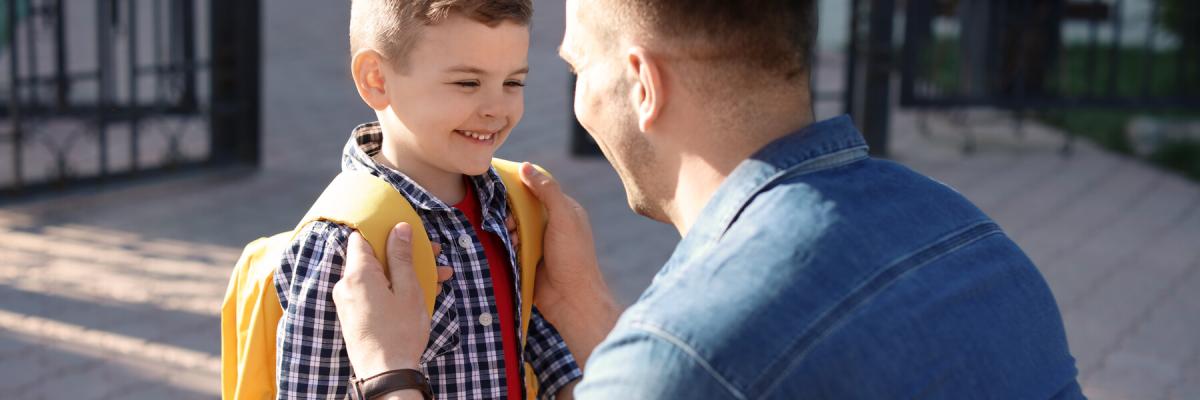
(464, 358)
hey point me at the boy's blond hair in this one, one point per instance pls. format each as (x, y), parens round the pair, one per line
(392, 27)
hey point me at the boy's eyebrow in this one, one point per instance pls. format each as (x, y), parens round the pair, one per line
(476, 70)
(466, 68)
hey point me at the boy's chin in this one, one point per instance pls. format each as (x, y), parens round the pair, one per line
(474, 169)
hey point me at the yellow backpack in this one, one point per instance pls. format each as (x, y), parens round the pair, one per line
(251, 310)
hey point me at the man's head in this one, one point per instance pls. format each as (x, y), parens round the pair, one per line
(445, 77)
(663, 80)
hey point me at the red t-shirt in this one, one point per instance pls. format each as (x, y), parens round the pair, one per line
(502, 286)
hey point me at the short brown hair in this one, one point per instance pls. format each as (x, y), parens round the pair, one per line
(393, 26)
(777, 35)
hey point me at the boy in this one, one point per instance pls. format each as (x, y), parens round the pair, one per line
(445, 78)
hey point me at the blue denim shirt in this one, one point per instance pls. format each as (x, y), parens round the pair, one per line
(818, 272)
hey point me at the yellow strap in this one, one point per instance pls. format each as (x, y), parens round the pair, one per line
(531, 219)
(371, 206)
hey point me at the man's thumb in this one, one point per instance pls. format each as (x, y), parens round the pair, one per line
(399, 250)
(543, 186)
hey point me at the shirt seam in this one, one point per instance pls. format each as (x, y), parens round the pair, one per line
(691, 352)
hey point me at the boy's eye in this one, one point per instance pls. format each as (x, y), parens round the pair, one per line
(514, 84)
(468, 84)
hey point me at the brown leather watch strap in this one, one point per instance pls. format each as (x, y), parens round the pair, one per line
(390, 381)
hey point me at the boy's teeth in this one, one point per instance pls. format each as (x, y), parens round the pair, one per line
(476, 135)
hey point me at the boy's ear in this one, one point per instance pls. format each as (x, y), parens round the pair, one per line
(649, 89)
(367, 69)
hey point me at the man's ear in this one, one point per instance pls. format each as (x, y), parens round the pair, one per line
(649, 90)
(367, 69)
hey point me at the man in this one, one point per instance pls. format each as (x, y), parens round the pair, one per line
(806, 269)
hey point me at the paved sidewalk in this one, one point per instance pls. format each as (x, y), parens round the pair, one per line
(115, 294)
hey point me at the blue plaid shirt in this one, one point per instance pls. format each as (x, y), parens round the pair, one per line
(465, 355)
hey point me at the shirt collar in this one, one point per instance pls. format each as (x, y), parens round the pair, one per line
(366, 141)
(818, 146)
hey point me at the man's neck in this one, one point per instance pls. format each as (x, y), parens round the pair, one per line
(698, 180)
(703, 171)
(444, 185)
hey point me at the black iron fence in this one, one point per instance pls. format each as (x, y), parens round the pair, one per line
(1040, 54)
(104, 90)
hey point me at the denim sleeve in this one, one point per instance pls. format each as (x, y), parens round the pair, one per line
(311, 359)
(645, 363)
(548, 354)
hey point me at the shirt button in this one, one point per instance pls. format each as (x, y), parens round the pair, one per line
(485, 319)
(464, 241)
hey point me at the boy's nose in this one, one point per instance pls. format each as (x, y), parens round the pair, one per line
(496, 105)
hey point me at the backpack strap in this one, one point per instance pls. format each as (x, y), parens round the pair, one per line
(372, 207)
(531, 227)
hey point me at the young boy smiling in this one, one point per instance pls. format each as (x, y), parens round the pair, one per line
(445, 78)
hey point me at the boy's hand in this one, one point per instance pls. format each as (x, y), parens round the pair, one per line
(386, 327)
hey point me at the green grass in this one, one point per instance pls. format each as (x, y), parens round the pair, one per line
(1180, 156)
(1135, 77)
(1105, 127)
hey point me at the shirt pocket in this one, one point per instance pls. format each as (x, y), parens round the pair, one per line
(444, 333)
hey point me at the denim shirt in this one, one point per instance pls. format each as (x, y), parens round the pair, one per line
(818, 272)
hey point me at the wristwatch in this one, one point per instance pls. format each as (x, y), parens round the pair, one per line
(390, 381)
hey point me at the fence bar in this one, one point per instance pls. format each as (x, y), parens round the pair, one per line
(876, 115)
(134, 123)
(104, 10)
(185, 12)
(1114, 51)
(61, 84)
(850, 85)
(14, 93)
(31, 53)
(235, 81)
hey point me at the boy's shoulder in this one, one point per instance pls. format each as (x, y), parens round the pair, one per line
(318, 235)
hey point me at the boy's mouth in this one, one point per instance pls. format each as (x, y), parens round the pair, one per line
(476, 136)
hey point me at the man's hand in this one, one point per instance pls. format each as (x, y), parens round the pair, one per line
(570, 290)
(386, 326)
(511, 224)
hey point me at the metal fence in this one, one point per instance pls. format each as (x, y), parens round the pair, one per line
(105, 90)
(1042, 54)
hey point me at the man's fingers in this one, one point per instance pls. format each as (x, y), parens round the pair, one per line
(444, 273)
(359, 249)
(511, 224)
(362, 268)
(399, 250)
(545, 188)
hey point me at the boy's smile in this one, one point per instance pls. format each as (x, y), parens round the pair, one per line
(479, 137)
